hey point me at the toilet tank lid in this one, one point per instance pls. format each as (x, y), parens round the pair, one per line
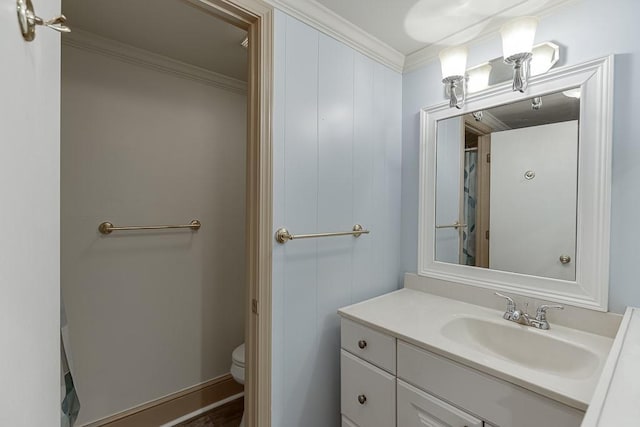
(238, 354)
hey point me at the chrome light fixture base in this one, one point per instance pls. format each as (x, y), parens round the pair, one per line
(456, 88)
(521, 63)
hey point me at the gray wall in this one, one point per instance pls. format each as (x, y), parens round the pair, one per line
(150, 313)
(337, 161)
(586, 30)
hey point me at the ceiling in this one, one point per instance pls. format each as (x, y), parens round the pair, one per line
(171, 28)
(556, 107)
(411, 26)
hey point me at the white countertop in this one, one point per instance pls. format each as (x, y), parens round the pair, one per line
(418, 318)
(616, 401)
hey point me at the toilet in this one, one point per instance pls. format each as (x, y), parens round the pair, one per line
(237, 368)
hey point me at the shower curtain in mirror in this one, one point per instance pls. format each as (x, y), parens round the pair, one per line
(69, 405)
(469, 206)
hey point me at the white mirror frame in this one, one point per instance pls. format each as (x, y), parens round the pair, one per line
(591, 287)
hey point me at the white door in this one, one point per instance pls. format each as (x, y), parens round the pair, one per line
(449, 152)
(29, 214)
(534, 176)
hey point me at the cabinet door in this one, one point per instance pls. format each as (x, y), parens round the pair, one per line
(368, 395)
(419, 409)
(347, 423)
(495, 400)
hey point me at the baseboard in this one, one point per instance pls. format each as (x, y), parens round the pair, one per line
(174, 406)
(203, 410)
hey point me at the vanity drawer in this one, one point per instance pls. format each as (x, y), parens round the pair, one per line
(417, 409)
(497, 401)
(370, 345)
(368, 394)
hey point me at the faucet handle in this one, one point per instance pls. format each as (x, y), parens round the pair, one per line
(510, 302)
(511, 305)
(541, 312)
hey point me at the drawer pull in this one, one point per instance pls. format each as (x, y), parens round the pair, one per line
(362, 399)
(362, 344)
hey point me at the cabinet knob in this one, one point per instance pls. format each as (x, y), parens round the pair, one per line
(565, 259)
(362, 399)
(362, 344)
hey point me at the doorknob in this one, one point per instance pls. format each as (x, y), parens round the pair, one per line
(455, 225)
(28, 20)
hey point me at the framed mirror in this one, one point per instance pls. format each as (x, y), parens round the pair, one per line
(515, 188)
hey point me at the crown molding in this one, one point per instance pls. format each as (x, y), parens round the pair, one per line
(126, 53)
(325, 20)
(493, 122)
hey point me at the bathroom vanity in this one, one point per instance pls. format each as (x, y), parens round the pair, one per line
(410, 358)
(498, 211)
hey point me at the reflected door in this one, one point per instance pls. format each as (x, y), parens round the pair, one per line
(533, 200)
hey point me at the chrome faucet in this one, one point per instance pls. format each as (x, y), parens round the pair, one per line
(512, 314)
(541, 315)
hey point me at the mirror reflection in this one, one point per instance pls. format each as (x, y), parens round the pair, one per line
(506, 187)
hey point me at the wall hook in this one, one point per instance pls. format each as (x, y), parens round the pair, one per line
(28, 20)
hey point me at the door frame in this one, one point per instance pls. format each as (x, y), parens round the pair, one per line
(483, 132)
(256, 17)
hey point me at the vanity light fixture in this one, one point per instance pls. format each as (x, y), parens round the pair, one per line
(536, 103)
(453, 61)
(545, 56)
(572, 93)
(478, 77)
(517, 47)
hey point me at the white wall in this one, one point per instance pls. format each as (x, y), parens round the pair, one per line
(29, 206)
(149, 313)
(585, 29)
(449, 155)
(337, 148)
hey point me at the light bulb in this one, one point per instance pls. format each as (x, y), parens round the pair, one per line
(572, 93)
(479, 77)
(518, 35)
(453, 61)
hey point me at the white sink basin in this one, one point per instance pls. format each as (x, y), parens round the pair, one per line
(523, 345)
